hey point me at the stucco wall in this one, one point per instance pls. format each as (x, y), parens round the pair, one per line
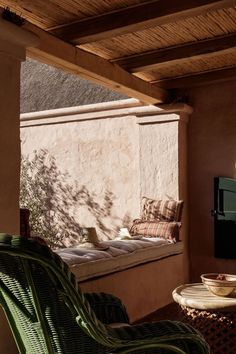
(145, 288)
(159, 160)
(115, 153)
(212, 152)
(100, 156)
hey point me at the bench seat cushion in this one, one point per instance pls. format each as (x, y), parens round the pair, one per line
(87, 263)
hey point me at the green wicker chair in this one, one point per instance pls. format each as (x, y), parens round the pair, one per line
(48, 314)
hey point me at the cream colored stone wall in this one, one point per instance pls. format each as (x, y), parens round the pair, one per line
(159, 160)
(124, 149)
(101, 155)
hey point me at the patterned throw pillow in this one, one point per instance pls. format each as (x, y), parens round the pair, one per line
(161, 210)
(163, 229)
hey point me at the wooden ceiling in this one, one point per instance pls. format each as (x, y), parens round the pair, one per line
(140, 48)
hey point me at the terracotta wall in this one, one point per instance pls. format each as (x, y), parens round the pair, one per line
(13, 40)
(9, 144)
(212, 152)
(10, 162)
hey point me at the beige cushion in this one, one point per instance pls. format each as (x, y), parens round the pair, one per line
(161, 210)
(142, 251)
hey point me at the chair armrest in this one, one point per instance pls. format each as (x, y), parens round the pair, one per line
(108, 308)
(160, 337)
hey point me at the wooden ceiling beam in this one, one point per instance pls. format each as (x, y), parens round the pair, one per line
(134, 18)
(58, 53)
(154, 59)
(198, 79)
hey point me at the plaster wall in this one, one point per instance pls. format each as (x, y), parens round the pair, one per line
(143, 288)
(163, 161)
(117, 155)
(102, 156)
(212, 152)
(159, 160)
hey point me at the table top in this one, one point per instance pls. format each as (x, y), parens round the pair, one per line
(197, 296)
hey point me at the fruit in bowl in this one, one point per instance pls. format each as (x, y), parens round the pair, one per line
(219, 284)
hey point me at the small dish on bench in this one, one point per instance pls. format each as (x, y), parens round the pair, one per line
(219, 284)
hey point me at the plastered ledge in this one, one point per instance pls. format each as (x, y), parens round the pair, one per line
(115, 109)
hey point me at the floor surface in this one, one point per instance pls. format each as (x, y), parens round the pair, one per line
(169, 312)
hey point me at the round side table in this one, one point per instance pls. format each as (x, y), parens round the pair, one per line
(213, 316)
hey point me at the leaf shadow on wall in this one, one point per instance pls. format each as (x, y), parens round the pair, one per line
(45, 191)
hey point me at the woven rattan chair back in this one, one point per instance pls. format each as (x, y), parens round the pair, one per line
(42, 301)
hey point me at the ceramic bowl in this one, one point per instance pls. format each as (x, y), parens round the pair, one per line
(219, 284)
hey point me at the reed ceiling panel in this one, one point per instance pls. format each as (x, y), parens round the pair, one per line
(212, 24)
(50, 13)
(190, 66)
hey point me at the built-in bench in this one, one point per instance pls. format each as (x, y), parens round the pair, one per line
(142, 273)
(116, 255)
(142, 270)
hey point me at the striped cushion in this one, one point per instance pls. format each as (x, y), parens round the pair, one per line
(163, 229)
(161, 210)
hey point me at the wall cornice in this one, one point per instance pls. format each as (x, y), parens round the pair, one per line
(115, 109)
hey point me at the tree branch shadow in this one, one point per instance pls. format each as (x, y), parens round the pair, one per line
(46, 193)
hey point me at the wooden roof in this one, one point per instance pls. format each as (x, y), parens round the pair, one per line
(140, 48)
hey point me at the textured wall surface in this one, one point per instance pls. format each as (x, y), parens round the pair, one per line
(145, 288)
(212, 152)
(44, 87)
(159, 160)
(104, 165)
(101, 156)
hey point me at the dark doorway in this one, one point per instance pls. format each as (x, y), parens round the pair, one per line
(225, 217)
